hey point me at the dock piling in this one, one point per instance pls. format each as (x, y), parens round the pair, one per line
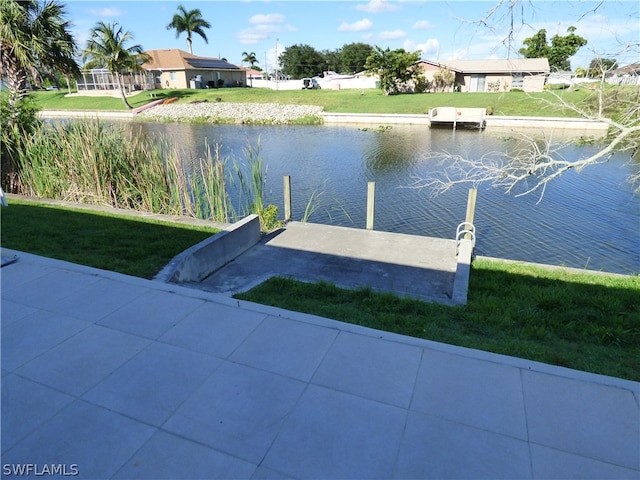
(287, 198)
(371, 194)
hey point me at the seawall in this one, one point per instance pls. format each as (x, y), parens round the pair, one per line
(492, 121)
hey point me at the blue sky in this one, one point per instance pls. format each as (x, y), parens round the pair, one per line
(443, 30)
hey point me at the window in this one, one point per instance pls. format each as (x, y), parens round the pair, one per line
(172, 76)
(517, 80)
(477, 83)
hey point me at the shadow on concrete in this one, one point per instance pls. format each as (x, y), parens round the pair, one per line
(406, 265)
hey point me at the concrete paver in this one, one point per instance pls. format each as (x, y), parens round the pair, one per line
(130, 378)
(560, 407)
(153, 384)
(484, 395)
(433, 447)
(239, 410)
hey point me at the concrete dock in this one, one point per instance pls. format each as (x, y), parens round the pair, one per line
(407, 265)
(457, 117)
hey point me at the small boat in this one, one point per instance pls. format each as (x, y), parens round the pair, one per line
(330, 75)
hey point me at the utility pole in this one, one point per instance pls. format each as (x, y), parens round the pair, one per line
(277, 39)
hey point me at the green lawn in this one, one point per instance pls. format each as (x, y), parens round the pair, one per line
(340, 101)
(130, 245)
(583, 321)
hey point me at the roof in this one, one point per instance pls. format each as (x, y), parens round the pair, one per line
(496, 65)
(176, 59)
(632, 69)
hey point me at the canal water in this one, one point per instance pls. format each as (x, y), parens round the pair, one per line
(588, 219)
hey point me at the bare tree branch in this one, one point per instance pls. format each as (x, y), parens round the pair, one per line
(593, 10)
(534, 162)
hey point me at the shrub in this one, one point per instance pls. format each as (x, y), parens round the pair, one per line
(18, 125)
(269, 218)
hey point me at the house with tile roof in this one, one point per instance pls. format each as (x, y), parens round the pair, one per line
(175, 68)
(493, 75)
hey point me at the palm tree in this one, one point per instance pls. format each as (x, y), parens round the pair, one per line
(252, 59)
(34, 38)
(106, 49)
(191, 22)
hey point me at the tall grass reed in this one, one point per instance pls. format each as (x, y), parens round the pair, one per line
(105, 164)
(249, 180)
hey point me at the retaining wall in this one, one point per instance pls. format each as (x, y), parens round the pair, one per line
(201, 260)
(85, 114)
(546, 122)
(382, 118)
(492, 121)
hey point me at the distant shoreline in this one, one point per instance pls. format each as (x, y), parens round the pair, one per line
(279, 114)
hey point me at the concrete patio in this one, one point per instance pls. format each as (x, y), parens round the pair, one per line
(119, 377)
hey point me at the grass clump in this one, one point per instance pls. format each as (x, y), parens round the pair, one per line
(581, 321)
(110, 165)
(88, 162)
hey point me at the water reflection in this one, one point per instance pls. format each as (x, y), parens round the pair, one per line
(588, 219)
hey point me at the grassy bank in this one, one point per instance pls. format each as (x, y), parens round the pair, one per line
(125, 244)
(581, 321)
(339, 101)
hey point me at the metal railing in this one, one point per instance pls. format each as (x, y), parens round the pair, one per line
(465, 231)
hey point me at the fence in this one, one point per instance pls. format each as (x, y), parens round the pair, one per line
(361, 83)
(624, 80)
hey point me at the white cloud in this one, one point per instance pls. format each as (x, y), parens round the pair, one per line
(263, 25)
(392, 34)
(250, 36)
(359, 26)
(377, 6)
(422, 25)
(429, 48)
(476, 51)
(268, 18)
(106, 12)
(271, 57)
